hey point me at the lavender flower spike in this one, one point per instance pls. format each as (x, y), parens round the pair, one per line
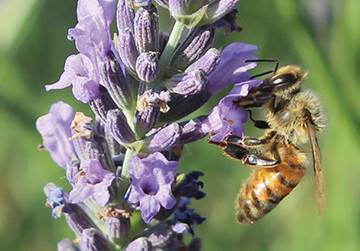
(139, 244)
(152, 178)
(55, 129)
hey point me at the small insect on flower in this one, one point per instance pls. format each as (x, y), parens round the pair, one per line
(292, 117)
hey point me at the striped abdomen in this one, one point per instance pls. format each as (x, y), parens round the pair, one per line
(265, 188)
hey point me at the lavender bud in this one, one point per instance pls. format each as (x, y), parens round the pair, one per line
(147, 66)
(114, 147)
(101, 105)
(118, 228)
(92, 240)
(125, 15)
(146, 28)
(114, 81)
(192, 130)
(207, 62)
(119, 127)
(127, 49)
(163, 139)
(181, 106)
(145, 120)
(66, 245)
(189, 83)
(219, 8)
(77, 219)
(193, 47)
(163, 3)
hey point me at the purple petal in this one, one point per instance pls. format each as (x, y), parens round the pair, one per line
(227, 117)
(78, 72)
(55, 129)
(149, 207)
(232, 67)
(165, 197)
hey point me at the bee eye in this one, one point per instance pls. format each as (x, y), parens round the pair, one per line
(285, 79)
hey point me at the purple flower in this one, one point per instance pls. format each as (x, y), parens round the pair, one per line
(152, 178)
(55, 129)
(93, 41)
(78, 72)
(94, 181)
(227, 118)
(232, 67)
(92, 33)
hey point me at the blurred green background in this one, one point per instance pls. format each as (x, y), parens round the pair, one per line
(322, 36)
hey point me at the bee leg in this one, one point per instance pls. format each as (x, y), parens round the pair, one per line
(248, 141)
(249, 157)
(261, 124)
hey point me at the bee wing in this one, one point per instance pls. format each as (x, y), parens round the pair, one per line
(318, 171)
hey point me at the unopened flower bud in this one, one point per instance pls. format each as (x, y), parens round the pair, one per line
(101, 105)
(118, 228)
(147, 66)
(187, 83)
(114, 81)
(146, 29)
(119, 127)
(93, 240)
(162, 139)
(125, 15)
(193, 48)
(77, 219)
(180, 106)
(207, 62)
(218, 9)
(127, 49)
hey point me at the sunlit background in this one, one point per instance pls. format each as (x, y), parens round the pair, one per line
(322, 36)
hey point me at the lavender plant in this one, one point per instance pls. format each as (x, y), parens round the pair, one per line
(127, 192)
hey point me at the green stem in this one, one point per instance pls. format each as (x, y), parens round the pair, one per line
(170, 47)
(125, 167)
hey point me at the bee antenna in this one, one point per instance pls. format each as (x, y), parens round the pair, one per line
(261, 60)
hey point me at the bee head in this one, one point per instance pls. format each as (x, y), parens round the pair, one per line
(287, 80)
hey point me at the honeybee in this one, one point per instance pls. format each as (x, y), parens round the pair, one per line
(293, 117)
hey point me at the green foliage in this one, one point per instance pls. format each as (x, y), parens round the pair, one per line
(33, 52)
